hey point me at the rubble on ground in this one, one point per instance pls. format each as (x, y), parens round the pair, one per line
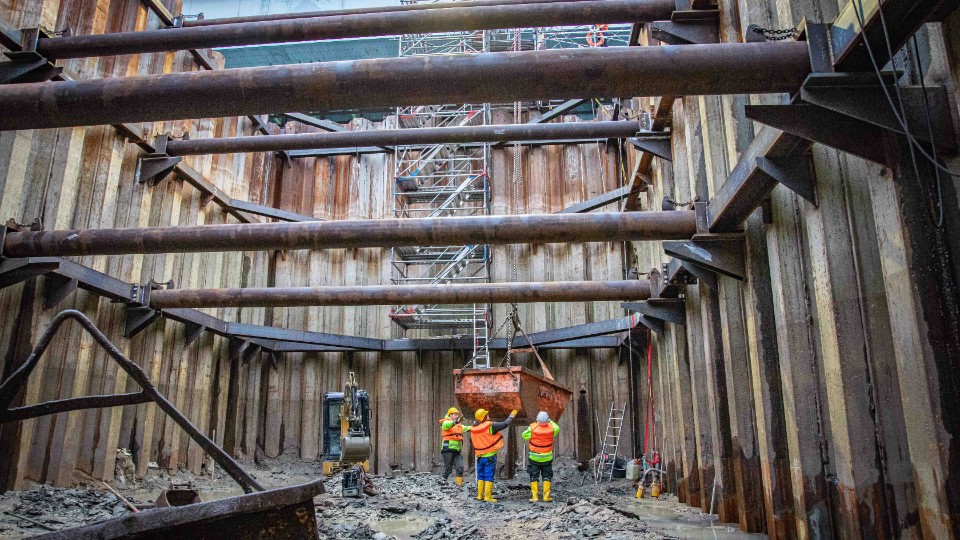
(411, 505)
(37, 511)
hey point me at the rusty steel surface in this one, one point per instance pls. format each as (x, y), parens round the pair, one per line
(725, 68)
(501, 390)
(453, 19)
(361, 11)
(384, 295)
(279, 514)
(456, 231)
(398, 137)
(14, 384)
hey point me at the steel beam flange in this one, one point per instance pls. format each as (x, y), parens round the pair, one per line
(153, 167)
(655, 325)
(676, 277)
(702, 274)
(12, 226)
(663, 309)
(697, 28)
(56, 288)
(850, 112)
(794, 172)
(721, 253)
(192, 332)
(658, 146)
(138, 314)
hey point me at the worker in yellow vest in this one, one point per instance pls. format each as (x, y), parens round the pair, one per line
(540, 461)
(452, 432)
(487, 441)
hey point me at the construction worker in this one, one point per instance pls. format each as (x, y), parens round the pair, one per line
(452, 431)
(487, 441)
(540, 461)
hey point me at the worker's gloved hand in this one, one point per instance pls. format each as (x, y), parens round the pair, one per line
(459, 420)
(513, 413)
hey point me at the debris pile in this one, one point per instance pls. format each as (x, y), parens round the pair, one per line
(47, 509)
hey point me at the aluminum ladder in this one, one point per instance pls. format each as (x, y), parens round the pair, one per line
(610, 444)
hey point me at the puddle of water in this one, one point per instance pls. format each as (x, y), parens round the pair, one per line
(404, 528)
(664, 519)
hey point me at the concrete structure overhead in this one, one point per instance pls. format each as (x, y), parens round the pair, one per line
(727, 228)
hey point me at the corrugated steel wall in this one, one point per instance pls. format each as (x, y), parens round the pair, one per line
(84, 177)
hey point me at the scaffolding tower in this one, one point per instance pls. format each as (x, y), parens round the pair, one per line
(450, 180)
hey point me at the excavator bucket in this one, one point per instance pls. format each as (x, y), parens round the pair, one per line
(500, 390)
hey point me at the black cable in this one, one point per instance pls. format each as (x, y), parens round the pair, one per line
(926, 103)
(913, 140)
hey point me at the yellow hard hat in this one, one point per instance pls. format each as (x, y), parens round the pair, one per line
(480, 414)
(452, 410)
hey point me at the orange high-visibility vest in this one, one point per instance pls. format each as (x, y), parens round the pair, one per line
(455, 433)
(541, 438)
(483, 441)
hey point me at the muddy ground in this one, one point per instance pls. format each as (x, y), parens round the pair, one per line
(410, 506)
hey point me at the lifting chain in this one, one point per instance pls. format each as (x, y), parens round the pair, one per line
(773, 34)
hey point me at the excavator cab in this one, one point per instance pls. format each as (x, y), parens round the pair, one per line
(332, 407)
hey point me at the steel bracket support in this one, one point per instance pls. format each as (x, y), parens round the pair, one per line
(139, 315)
(850, 112)
(702, 275)
(721, 253)
(688, 27)
(658, 146)
(56, 288)
(655, 325)
(27, 65)
(192, 332)
(663, 309)
(153, 167)
(676, 277)
(12, 226)
(137, 319)
(794, 173)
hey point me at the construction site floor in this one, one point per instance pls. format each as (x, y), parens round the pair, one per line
(410, 506)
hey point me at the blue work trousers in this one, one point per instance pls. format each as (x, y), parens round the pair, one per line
(486, 468)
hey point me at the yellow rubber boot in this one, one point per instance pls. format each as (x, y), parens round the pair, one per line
(640, 491)
(459, 481)
(488, 490)
(546, 491)
(480, 490)
(534, 489)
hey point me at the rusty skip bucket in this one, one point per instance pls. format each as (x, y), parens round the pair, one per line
(500, 390)
(285, 513)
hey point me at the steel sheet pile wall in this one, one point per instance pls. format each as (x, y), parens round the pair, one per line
(84, 177)
(411, 391)
(818, 397)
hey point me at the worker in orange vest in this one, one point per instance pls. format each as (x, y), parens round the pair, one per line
(540, 461)
(487, 441)
(452, 432)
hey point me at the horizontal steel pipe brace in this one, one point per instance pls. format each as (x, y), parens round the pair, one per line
(480, 78)
(384, 295)
(362, 11)
(456, 231)
(357, 26)
(406, 137)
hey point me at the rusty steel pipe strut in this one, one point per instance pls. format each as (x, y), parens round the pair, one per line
(187, 23)
(385, 295)
(356, 26)
(724, 68)
(406, 137)
(451, 231)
